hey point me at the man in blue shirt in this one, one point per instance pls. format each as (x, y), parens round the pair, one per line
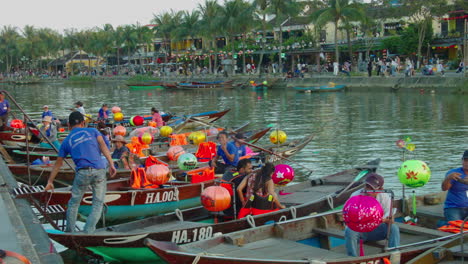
(103, 112)
(227, 151)
(456, 182)
(85, 146)
(47, 112)
(4, 110)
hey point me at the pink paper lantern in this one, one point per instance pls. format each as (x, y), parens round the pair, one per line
(116, 109)
(283, 174)
(362, 213)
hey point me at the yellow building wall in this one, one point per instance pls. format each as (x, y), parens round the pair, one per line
(87, 63)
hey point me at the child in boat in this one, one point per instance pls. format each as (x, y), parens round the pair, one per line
(374, 182)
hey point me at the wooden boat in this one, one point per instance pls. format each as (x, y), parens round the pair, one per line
(259, 87)
(207, 117)
(124, 242)
(288, 149)
(311, 239)
(145, 87)
(124, 203)
(324, 88)
(12, 138)
(206, 85)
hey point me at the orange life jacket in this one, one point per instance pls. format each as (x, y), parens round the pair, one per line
(136, 147)
(152, 160)
(178, 140)
(201, 174)
(138, 180)
(206, 151)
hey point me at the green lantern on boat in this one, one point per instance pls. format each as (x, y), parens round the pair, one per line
(187, 161)
(414, 173)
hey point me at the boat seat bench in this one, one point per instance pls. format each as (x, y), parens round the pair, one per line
(330, 232)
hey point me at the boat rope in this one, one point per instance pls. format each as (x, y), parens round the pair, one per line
(176, 193)
(282, 219)
(202, 186)
(330, 201)
(179, 214)
(250, 220)
(38, 178)
(134, 193)
(293, 212)
(199, 255)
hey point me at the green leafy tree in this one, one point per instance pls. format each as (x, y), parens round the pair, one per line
(167, 23)
(9, 45)
(208, 26)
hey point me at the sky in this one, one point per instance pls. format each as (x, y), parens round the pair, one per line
(85, 14)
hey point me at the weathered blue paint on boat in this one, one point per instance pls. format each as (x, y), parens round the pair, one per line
(119, 212)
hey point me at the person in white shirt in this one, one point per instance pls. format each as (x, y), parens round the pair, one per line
(374, 182)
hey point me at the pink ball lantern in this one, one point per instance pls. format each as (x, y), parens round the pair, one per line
(158, 174)
(283, 174)
(116, 109)
(215, 198)
(120, 130)
(362, 213)
(174, 152)
(17, 123)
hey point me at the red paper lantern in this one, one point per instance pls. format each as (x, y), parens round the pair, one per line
(158, 174)
(137, 121)
(17, 123)
(120, 130)
(174, 152)
(362, 213)
(216, 198)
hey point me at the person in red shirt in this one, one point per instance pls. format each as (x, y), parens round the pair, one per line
(157, 117)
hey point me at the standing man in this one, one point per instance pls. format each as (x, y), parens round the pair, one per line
(4, 110)
(456, 182)
(85, 145)
(374, 182)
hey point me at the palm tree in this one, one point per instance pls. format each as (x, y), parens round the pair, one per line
(283, 11)
(31, 44)
(9, 44)
(166, 26)
(144, 37)
(51, 40)
(208, 25)
(189, 27)
(261, 12)
(128, 38)
(337, 10)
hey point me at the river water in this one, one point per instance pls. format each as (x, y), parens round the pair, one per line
(350, 127)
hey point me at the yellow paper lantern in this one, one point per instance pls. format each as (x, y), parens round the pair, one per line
(118, 116)
(278, 137)
(165, 131)
(197, 137)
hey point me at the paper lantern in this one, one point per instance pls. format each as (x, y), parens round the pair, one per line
(400, 143)
(120, 130)
(17, 123)
(197, 137)
(174, 152)
(118, 116)
(252, 82)
(414, 173)
(152, 124)
(137, 120)
(215, 198)
(146, 138)
(278, 137)
(411, 147)
(265, 82)
(362, 213)
(116, 109)
(158, 174)
(283, 174)
(213, 131)
(165, 131)
(187, 161)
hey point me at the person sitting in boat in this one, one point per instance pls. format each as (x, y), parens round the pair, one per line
(4, 110)
(120, 151)
(101, 126)
(104, 113)
(257, 193)
(49, 129)
(156, 117)
(227, 151)
(47, 112)
(231, 180)
(456, 183)
(374, 182)
(238, 143)
(79, 107)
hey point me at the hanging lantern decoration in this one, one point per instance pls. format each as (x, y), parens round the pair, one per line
(414, 173)
(410, 147)
(215, 198)
(400, 143)
(165, 131)
(120, 130)
(362, 213)
(197, 137)
(158, 174)
(118, 116)
(137, 120)
(187, 161)
(116, 109)
(174, 152)
(17, 123)
(278, 137)
(283, 175)
(146, 138)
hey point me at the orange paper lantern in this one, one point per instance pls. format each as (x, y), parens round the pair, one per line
(158, 174)
(120, 130)
(216, 198)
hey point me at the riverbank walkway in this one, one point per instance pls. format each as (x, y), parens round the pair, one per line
(20, 230)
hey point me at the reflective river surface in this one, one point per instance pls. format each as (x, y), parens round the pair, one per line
(350, 127)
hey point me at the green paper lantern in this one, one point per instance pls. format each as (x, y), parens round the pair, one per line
(187, 161)
(414, 173)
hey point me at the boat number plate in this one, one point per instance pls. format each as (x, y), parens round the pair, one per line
(187, 236)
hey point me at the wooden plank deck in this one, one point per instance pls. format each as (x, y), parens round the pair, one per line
(309, 194)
